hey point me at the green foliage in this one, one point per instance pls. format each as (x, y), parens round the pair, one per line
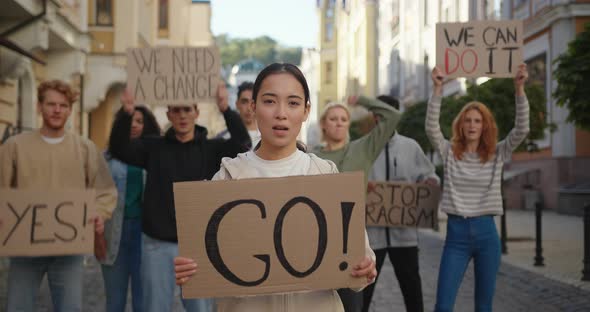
(496, 94)
(412, 125)
(573, 80)
(288, 55)
(264, 49)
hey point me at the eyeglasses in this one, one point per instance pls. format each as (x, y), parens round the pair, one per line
(178, 110)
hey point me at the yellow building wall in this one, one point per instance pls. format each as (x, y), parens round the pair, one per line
(328, 82)
(8, 104)
(357, 50)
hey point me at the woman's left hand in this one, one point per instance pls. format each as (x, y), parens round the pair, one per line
(98, 225)
(365, 269)
(352, 100)
(222, 97)
(520, 78)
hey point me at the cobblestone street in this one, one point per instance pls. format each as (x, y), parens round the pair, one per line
(517, 289)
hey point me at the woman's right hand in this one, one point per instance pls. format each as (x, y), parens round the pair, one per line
(184, 269)
(128, 102)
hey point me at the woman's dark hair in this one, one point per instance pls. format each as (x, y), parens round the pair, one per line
(279, 68)
(150, 125)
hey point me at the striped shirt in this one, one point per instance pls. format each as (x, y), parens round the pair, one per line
(471, 188)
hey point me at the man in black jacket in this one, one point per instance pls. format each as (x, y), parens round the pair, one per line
(183, 154)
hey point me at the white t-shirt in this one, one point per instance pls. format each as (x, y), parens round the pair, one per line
(53, 140)
(295, 164)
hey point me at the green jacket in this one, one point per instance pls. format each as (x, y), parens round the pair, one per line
(360, 154)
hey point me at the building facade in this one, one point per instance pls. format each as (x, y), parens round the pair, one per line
(40, 40)
(310, 65)
(327, 49)
(407, 46)
(115, 26)
(548, 28)
(84, 42)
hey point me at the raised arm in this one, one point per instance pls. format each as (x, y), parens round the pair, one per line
(372, 143)
(521, 120)
(239, 140)
(133, 152)
(432, 123)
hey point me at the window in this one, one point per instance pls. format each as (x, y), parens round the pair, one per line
(163, 18)
(328, 79)
(426, 13)
(330, 9)
(518, 3)
(104, 12)
(329, 32)
(394, 18)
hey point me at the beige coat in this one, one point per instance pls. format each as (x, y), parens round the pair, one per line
(310, 301)
(28, 162)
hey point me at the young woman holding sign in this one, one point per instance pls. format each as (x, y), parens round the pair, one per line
(281, 105)
(471, 193)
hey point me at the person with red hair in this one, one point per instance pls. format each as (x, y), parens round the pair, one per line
(473, 162)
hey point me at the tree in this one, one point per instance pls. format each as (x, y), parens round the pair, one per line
(288, 55)
(263, 49)
(412, 125)
(573, 78)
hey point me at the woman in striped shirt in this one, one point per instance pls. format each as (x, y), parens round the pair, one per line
(471, 197)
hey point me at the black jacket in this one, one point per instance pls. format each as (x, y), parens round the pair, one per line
(167, 160)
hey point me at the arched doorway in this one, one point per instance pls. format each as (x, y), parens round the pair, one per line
(101, 118)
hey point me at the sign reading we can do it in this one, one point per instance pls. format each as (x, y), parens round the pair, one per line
(479, 48)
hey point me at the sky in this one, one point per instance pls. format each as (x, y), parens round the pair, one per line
(290, 22)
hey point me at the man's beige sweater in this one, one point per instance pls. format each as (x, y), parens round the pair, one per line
(28, 162)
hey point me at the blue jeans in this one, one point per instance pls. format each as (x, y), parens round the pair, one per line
(468, 238)
(158, 278)
(126, 267)
(64, 274)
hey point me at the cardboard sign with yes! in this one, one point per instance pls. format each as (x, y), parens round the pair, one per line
(44, 223)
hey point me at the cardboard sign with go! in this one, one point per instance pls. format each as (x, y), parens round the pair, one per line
(271, 235)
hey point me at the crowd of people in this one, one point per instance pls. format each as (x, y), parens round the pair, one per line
(135, 231)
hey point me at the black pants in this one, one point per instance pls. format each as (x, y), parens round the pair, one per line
(405, 265)
(351, 300)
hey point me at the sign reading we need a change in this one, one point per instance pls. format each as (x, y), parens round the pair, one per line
(173, 75)
(44, 223)
(271, 235)
(479, 48)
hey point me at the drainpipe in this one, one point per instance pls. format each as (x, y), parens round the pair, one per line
(81, 104)
(24, 23)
